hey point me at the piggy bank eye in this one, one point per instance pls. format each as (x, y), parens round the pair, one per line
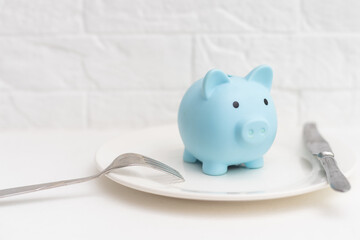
(235, 104)
(266, 101)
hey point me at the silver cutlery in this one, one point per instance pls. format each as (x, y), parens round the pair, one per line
(321, 149)
(124, 160)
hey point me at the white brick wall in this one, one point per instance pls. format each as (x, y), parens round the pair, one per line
(112, 63)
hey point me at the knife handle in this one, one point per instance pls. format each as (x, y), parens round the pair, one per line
(336, 179)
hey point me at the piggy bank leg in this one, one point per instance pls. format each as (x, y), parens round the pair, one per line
(214, 169)
(188, 157)
(258, 163)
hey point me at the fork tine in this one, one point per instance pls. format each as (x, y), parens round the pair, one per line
(168, 170)
(135, 159)
(164, 170)
(161, 166)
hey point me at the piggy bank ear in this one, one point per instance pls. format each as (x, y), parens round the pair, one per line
(262, 74)
(212, 79)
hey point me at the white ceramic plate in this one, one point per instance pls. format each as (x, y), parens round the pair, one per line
(289, 170)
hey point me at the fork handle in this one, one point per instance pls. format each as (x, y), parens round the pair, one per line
(43, 186)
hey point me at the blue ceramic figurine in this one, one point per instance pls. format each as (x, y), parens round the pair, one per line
(228, 120)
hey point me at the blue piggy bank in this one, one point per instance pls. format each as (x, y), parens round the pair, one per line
(228, 120)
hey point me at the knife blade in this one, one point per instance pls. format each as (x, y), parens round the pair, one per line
(321, 149)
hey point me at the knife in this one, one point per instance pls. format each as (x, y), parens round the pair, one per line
(321, 149)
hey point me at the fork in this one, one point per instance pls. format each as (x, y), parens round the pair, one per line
(124, 160)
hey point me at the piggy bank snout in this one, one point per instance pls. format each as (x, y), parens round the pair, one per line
(254, 131)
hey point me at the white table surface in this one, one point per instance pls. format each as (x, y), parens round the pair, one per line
(102, 209)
